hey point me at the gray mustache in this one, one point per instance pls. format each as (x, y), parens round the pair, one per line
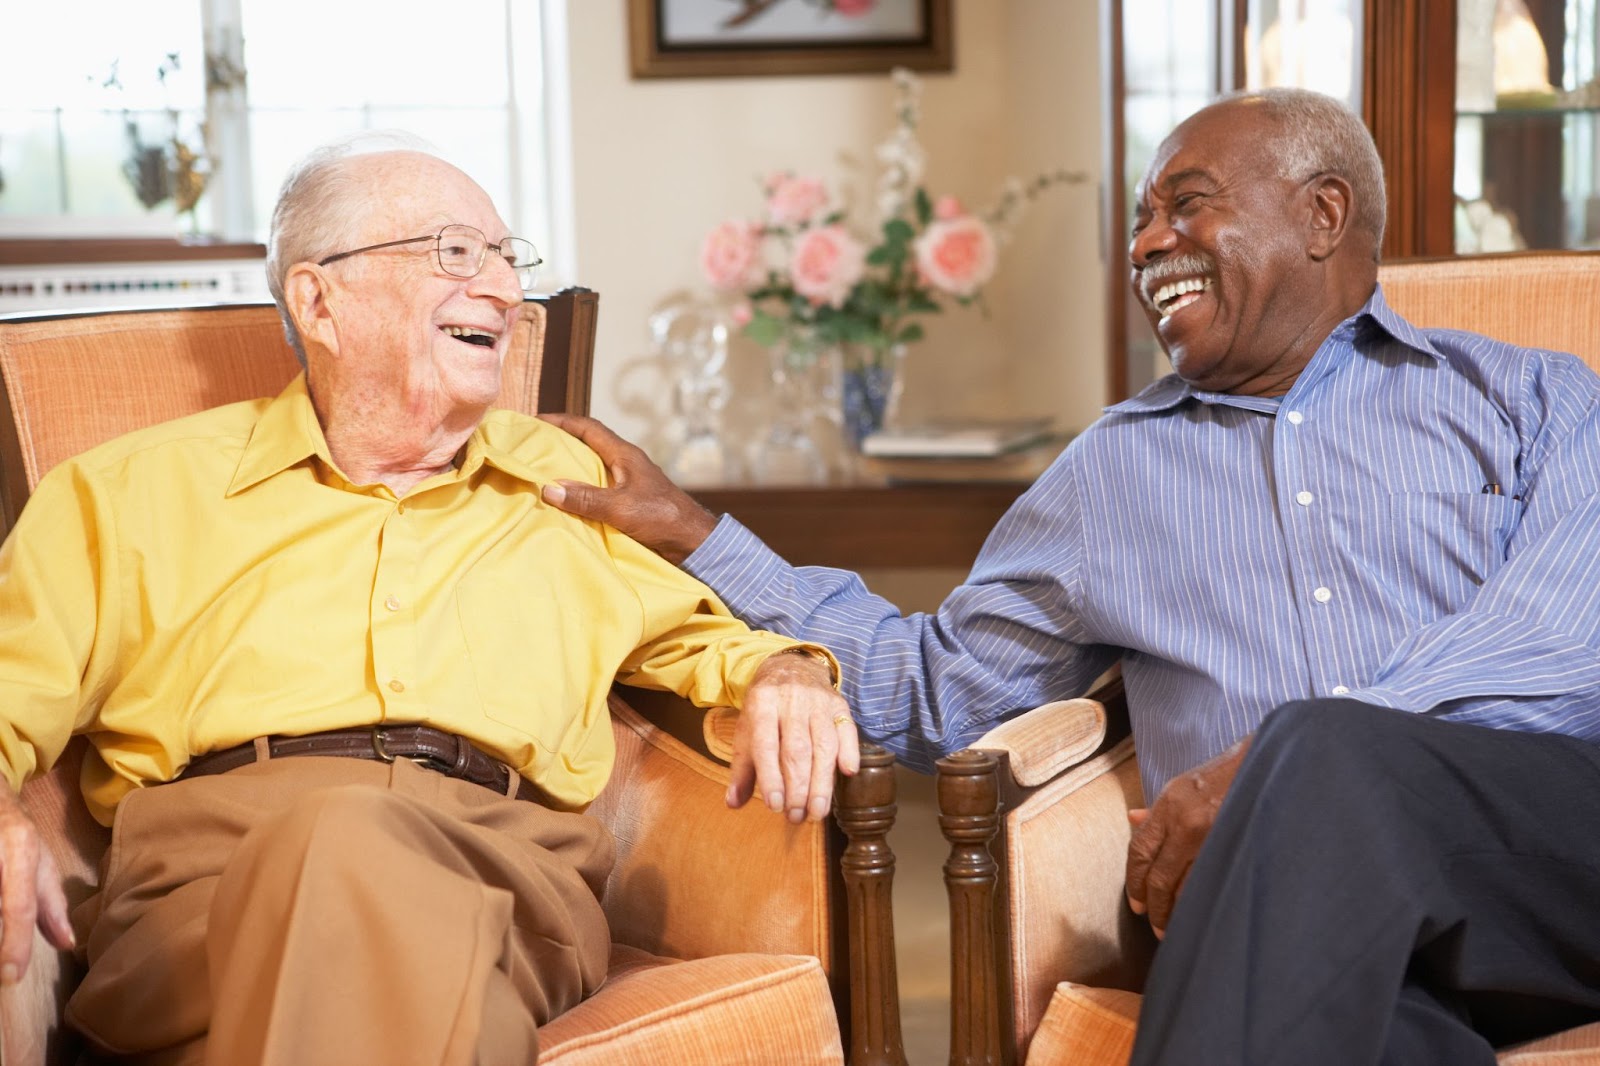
(1165, 269)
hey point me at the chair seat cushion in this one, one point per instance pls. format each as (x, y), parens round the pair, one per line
(1094, 1027)
(725, 1009)
(1085, 1026)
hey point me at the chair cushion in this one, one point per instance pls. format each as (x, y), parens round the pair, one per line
(1094, 1027)
(1085, 1026)
(735, 1009)
(1575, 1047)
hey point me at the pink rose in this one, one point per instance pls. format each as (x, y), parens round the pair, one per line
(826, 263)
(795, 201)
(956, 255)
(731, 255)
(741, 313)
(947, 207)
(852, 9)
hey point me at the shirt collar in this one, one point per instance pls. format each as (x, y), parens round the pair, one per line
(1375, 319)
(288, 433)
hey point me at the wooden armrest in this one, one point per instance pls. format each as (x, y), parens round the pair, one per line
(695, 878)
(1048, 740)
(1045, 903)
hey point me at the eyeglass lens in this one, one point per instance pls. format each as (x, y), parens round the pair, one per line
(462, 250)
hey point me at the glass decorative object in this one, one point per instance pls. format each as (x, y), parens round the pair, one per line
(692, 338)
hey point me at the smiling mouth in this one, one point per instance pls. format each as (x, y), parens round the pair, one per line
(1174, 296)
(469, 335)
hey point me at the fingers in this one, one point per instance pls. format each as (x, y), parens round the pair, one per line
(19, 868)
(821, 759)
(591, 431)
(849, 747)
(574, 497)
(1143, 847)
(742, 778)
(54, 912)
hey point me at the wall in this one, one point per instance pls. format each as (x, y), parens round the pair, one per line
(658, 162)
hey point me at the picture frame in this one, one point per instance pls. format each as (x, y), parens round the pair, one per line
(752, 38)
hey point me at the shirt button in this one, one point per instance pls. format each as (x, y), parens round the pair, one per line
(1303, 498)
(396, 685)
(1341, 690)
(1296, 417)
(1322, 594)
(393, 603)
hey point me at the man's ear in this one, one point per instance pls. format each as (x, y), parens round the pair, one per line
(1330, 215)
(306, 289)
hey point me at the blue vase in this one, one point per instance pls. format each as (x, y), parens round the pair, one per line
(869, 391)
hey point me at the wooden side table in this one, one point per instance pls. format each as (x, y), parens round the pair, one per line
(870, 526)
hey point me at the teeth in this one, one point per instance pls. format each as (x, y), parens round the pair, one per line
(467, 331)
(1174, 289)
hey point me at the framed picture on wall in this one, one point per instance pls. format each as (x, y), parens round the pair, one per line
(745, 38)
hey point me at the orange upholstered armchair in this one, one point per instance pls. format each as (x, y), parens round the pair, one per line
(1047, 958)
(731, 942)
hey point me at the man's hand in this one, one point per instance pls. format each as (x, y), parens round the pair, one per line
(642, 502)
(1167, 837)
(794, 731)
(30, 891)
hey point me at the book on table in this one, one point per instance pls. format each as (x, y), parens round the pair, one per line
(957, 438)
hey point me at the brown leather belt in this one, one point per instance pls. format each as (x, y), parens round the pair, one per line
(430, 748)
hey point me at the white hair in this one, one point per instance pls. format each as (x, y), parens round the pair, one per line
(320, 207)
(1320, 135)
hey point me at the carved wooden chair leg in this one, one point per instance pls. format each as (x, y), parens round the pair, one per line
(865, 810)
(969, 800)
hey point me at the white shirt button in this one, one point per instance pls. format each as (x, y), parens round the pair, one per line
(1322, 594)
(1303, 498)
(1341, 690)
(1295, 417)
(392, 602)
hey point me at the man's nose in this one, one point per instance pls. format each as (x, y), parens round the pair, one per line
(1151, 243)
(498, 280)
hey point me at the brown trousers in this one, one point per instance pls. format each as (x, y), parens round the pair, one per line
(331, 910)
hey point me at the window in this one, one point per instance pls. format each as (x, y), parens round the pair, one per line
(252, 85)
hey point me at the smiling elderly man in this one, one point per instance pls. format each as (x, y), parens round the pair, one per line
(1377, 545)
(209, 599)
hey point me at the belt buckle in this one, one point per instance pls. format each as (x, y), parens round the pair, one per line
(380, 750)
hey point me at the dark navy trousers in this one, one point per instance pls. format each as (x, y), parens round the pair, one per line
(1382, 887)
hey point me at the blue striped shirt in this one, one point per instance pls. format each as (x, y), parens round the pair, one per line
(1238, 552)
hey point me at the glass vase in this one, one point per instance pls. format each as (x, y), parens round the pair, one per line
(870, 384)
(790, 454)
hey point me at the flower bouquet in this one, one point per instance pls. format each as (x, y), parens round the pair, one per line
(809, 282)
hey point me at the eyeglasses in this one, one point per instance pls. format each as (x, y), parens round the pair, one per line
(461, 251)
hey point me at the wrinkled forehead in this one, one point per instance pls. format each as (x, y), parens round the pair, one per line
(412, 190)
(1231, 135)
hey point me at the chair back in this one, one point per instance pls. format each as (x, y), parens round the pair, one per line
(71, 381)
(1535, 299)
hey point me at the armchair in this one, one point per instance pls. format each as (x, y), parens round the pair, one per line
(1046, 957)
(754, 908)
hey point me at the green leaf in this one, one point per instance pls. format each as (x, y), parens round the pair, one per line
(920, 301)
(879, 256)
(898, 231)
(924, 207)
(911, 333)
(764, 329)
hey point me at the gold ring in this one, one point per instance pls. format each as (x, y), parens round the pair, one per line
(840, 719)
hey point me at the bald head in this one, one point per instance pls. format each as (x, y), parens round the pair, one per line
(325, 201)
(1309, 133)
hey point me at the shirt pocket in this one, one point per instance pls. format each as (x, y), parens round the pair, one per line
(1442, 546)
(521, 662)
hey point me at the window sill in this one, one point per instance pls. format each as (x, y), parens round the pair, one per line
(36, 251)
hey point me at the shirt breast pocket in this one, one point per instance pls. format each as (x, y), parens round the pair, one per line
(1443, 545)
(520, 662)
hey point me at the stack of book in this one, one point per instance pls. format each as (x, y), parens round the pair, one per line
(964, 450)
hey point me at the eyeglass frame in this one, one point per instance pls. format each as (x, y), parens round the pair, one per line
(438, 252)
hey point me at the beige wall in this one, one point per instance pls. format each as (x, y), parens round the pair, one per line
(658, 162)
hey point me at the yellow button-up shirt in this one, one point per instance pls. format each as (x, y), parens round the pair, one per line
(203, 582)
